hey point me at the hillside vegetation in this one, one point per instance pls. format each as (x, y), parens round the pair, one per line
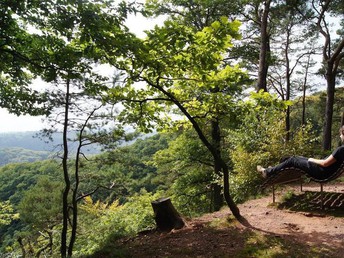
(16, 154)
(31, 146)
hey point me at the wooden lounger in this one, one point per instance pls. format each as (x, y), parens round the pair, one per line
(292, 174)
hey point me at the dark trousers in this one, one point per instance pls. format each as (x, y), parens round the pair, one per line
(297, 162)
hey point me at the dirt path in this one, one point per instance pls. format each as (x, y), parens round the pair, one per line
(308, 227)
(273, 232)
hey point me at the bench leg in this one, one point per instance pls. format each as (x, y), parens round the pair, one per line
(322, 196)
(273, 193)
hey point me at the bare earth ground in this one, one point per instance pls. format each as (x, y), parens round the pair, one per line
(300, 230)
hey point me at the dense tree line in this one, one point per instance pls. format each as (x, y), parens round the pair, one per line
(198, 66)
(16, 155)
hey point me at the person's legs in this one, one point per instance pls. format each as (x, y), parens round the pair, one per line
(294, 161)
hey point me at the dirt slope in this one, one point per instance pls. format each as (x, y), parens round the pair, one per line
(302, 230)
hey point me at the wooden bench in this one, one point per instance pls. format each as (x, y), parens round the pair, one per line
(293, 174)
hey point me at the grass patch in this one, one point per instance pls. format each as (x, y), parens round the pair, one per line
(269, 245)
(224, 222)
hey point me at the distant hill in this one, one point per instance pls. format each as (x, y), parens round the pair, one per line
(28, 147)
(23, 147)
(17, 155)
(25, 140)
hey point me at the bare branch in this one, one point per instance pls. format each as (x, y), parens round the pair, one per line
(95, 190)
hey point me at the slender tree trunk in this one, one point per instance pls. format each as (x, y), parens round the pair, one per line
(288, 86)
(22, 247)
(76, 187)
(74, 200)
(332, 55)
(228, 198)
(216, 138)
(63, 249)
(304, 88)
(330, 77)
(264, 54)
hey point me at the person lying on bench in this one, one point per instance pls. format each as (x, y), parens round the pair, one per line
(316, 168)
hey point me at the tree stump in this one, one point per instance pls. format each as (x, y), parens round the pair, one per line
(166, 216)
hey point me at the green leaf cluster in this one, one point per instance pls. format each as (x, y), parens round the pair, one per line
(113, 220)
(7, 214)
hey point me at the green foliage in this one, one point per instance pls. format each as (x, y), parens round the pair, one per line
(7, 213)
(315, 106)
(15, 179)
(16, 49)
(15, 155)
(260, 141)
(40, 214)
(192, 191)
(126, 170)
(113, 221)
(36, 193)
(185, 171)
(41, 205)
(182, 63)
(16, 182)
(259, 119)
(184, 68)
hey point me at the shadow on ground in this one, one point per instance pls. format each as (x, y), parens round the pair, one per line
(329, 203)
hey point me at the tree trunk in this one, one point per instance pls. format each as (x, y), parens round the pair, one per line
(228, 198)
(330, 77)
(304, 88)
(63, 249)
(20, 241)
(217, 200)
(217, 196)
(332, 55)
(74, 198)
(287, 97)
(264, 54)
(166, 216)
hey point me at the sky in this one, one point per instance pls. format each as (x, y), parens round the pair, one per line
(12, 123)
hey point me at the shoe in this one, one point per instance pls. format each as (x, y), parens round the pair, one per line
(262, 170)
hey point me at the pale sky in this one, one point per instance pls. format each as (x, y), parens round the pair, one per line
(12, 123)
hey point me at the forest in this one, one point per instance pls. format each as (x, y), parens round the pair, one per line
(188, 111)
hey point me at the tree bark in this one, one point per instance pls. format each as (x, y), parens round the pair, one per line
(332, 55)
(264, 54)
(166, 216)
(63, 248)
(327, 132)
(288, 86)
(234, 208)
(216, 138)
(304, 88)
